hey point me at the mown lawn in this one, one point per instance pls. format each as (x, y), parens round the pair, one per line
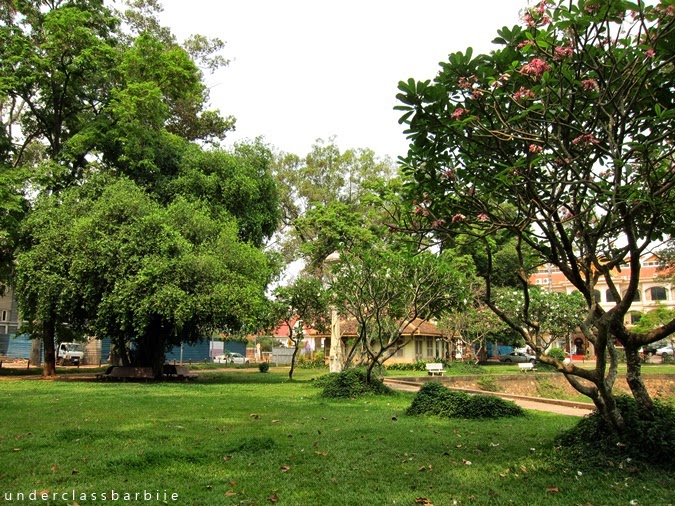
(251, 438)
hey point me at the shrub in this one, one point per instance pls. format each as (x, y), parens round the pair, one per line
(350, 384)
(263, 366)
(557, 353)
(434, 399)
(420, 365)
(648, 440)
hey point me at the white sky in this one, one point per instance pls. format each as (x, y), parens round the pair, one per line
(304, 69)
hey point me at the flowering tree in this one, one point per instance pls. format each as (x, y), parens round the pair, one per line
(562, 137)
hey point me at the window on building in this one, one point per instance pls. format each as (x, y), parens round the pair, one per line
(608, 296)
(419, 346)
(598, 295)
(430, 347)
(4, 316)
(658, 293)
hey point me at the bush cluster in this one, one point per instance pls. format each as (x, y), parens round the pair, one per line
(317, 362)
(453, 367)
(651, 441)
(264, 366)
(434, 399)
(350, 384)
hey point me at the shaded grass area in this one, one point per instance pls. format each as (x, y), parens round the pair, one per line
(250, 438)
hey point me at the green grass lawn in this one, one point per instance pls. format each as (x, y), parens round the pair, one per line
(251, 438)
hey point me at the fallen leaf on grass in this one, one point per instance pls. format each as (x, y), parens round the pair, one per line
(254, 416)
(323, 454)
(276, 421)
(523, 469)
(285, 468)
(273, 498)
(227, 457)
(233, 484)
(74, 471)
(73, 504)
(55, 468)
(42, 492)
(466, 462)
(423, 500)
(552, 489)
(425, 468)
(230, 493)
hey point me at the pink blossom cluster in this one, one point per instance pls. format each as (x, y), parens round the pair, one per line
(590, 85)
(535, 149)
(525, 43)
(585, 140)
(523, 93)
(458, 217)
(438, 223)
(421, 210)
(535, 67)
(466, 83)
(650, 53)
(459, 112)
(449, 174)
(667, 10)
(560, 53)
(537, 15)
(483, 217)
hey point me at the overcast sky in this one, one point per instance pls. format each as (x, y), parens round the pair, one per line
(304, 69)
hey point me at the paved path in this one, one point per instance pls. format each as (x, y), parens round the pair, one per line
(550, 405)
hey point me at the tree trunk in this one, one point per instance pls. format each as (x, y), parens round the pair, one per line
(636, 384)
(48, 337)
(150, 349)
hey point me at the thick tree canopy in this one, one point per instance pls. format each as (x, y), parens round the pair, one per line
(564, 138)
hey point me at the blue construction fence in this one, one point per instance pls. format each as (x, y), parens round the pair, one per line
(19, 347)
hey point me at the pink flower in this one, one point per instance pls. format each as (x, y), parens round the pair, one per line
(483, 217)
(590, 85)
(560, 53)
(449, 174)
(458, 217)
(523, 93)
(457, 113)
(534, 148)
(466, 83)
(438, 223)
(649, 53)
(524, 43)
(585, 140)
(536, 67)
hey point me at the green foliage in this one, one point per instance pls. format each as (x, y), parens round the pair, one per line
(350, 384)
(264, 366)
(419, 365)
(434, 399)
(557, 353)
(488, 384)
(649, 438)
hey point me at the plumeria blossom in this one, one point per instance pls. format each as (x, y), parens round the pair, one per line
(590, 85)
(650, 53)
(585, 140)
(536, 16)
(459, 112)
(562, 52)
(535, 67)
(483, 217)
(458, 217)
(534, 148)
(523, 93)
(438, 223)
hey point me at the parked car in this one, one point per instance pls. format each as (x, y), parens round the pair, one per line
(230, 358)
(518, 356)
(665, 351)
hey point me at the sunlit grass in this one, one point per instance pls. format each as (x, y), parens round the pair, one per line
(244, 438)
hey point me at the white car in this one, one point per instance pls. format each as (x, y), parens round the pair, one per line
(230, 358)
(665, 351)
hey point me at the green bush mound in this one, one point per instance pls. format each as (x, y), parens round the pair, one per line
(434, 399)
(454, 368)
(350, 384)
(651, 441)
(264, 366)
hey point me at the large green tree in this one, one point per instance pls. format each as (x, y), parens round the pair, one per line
(110, 260)
(564, 138)
(89, 91)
